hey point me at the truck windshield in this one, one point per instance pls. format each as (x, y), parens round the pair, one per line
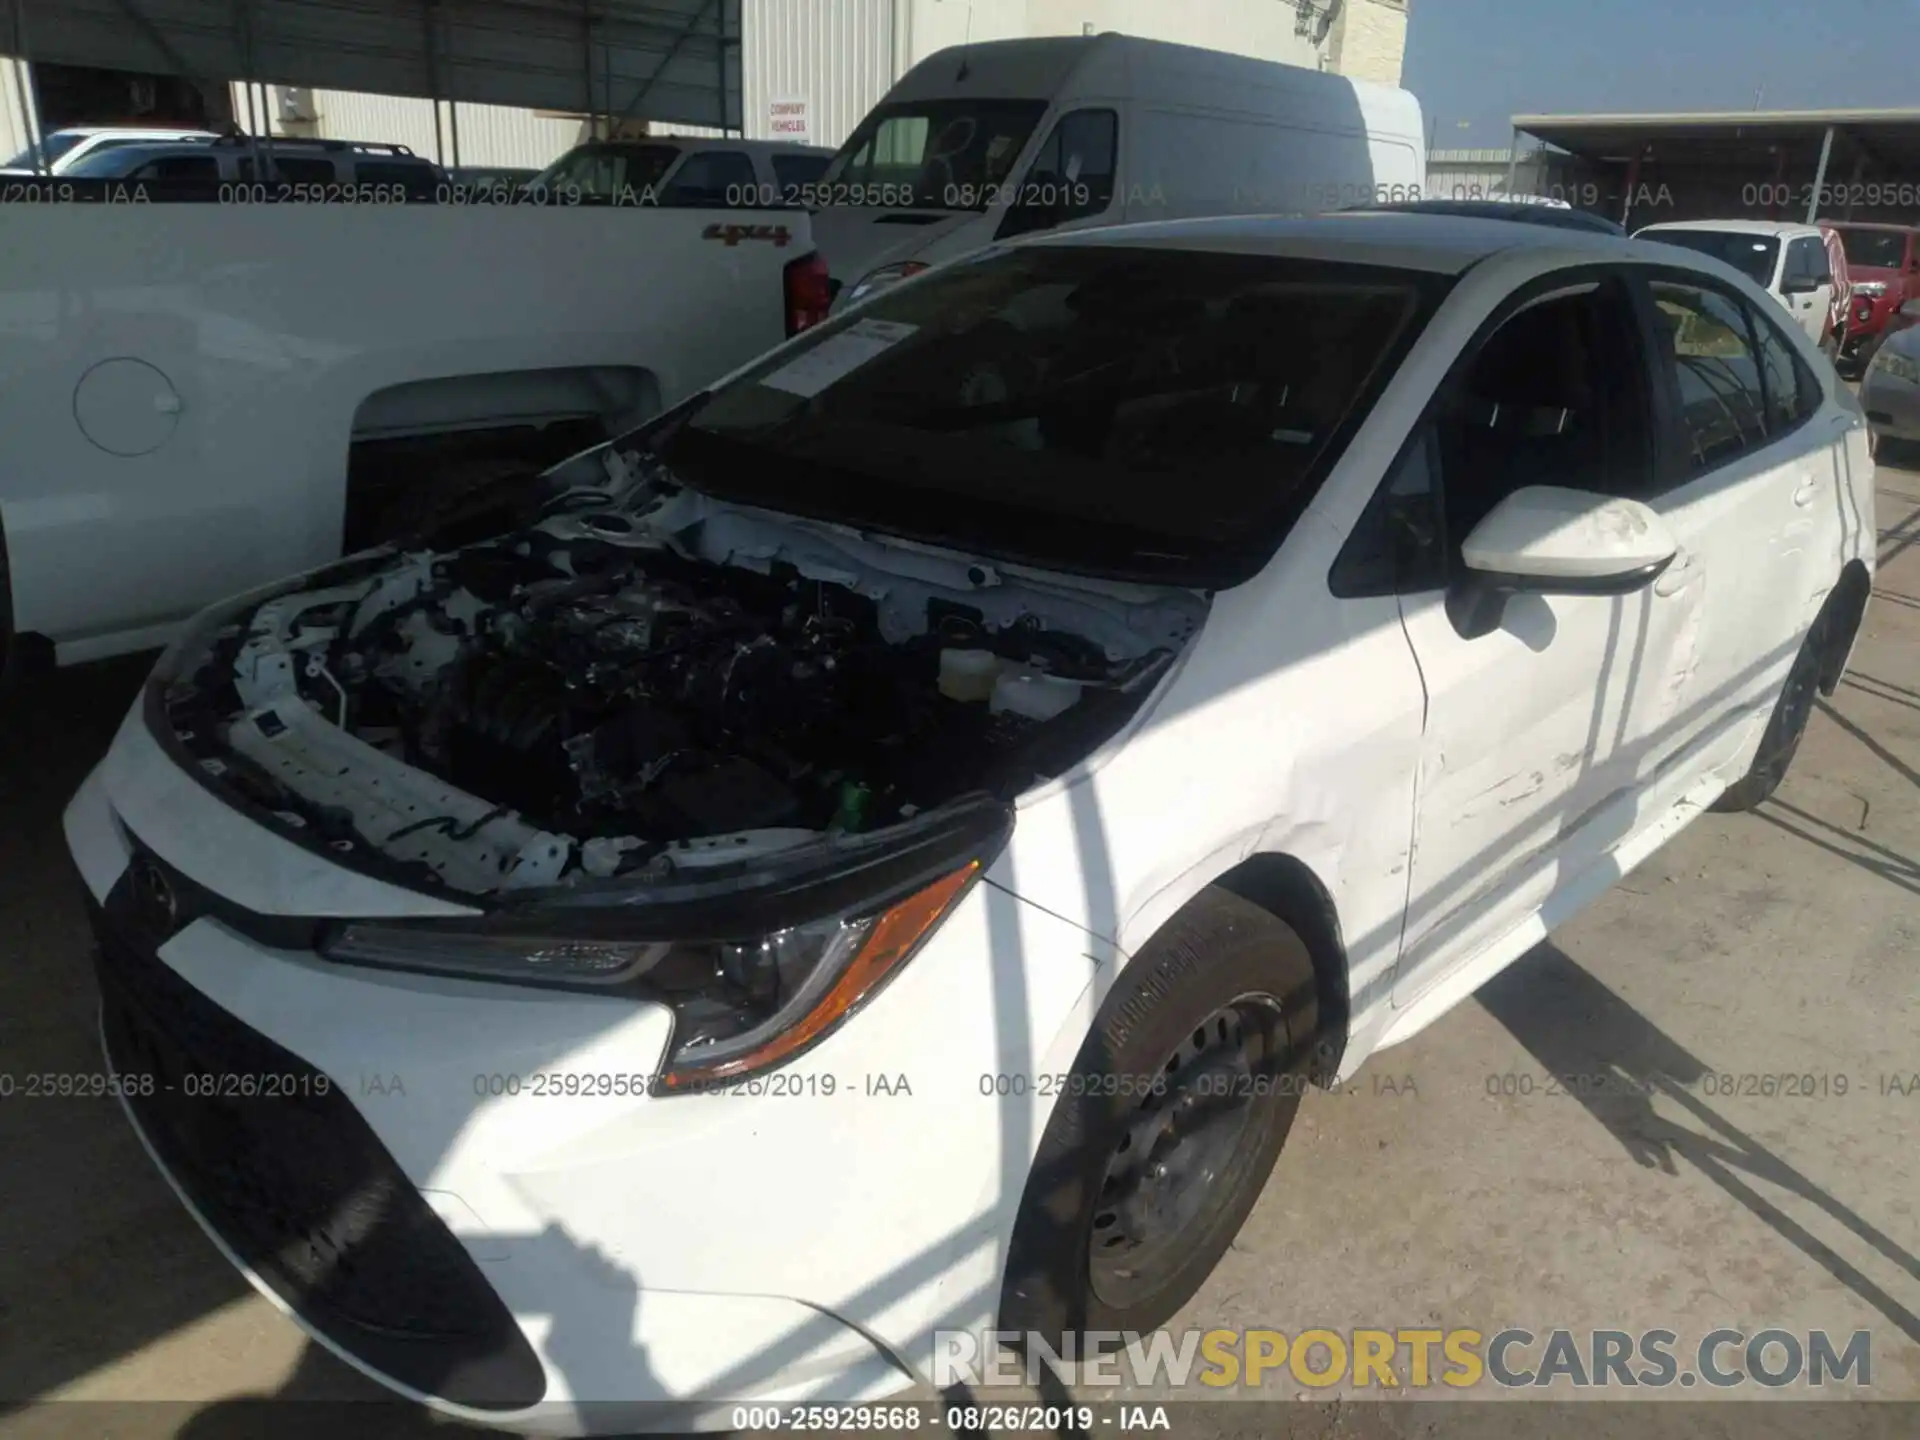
(1874, 249)
(606, 171)
(1145, 413)
(931, 154)
(1752, 255)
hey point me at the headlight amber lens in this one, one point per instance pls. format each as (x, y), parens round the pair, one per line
(739, 1006)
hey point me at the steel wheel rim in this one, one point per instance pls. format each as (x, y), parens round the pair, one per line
(1177, 1147)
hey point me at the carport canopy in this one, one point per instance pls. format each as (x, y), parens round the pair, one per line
(668, 60)
(1808, 148)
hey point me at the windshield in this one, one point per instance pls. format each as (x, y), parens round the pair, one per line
(612, 171)
(1140, 412)
(1874, 249)
(50, 149)
(932, 154)
(1752, 255)
(111, 161)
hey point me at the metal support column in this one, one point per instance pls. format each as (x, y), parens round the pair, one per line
(720, 60)
(1853, 181)
(586, 61)
(1820, 175)
(23, 87)
(1633, 183)
(429, 33)
(1513, 159)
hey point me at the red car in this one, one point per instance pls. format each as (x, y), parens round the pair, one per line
(1883, 262)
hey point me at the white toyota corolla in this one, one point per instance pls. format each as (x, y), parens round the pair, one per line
(879, 848)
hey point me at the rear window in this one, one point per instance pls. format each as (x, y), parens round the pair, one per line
(794, 171)
(1755, 256)
(609, 172)
(1873, 249)
(1121, 410)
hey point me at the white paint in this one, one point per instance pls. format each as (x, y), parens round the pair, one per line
(1200, 132)
(1545, 532)
(1474, 793)
(790, 117)
(270, 325)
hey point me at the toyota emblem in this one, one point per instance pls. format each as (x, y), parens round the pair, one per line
(153, 894)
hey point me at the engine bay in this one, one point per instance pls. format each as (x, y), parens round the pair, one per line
(632, 688)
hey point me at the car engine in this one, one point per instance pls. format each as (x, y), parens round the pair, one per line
(615, 694)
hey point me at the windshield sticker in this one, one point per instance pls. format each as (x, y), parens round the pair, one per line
(838, 356)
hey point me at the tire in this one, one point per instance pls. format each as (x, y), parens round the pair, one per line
(1225, 1111)
(1785, 726)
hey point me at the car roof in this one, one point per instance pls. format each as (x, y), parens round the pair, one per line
(164, 132)
(1437, 244)
(1736, 227)
(1872, 225)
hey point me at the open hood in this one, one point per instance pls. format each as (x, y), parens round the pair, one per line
(646, 682)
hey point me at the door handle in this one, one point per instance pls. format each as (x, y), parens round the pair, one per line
(1804, 492)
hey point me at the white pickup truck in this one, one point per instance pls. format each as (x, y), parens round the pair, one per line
(198, 397)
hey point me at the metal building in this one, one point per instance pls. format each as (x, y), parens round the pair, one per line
(805, 68)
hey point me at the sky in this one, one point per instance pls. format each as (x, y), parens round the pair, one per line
(1474, 63)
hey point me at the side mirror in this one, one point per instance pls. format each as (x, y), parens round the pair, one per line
(1547, 540)
(1799, 284)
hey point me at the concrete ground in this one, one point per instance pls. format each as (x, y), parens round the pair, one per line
(1448, 1188)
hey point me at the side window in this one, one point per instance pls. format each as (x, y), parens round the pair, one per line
(1806, 265)
(1072, 175)
(712, 179)
(1553, 397)
(415, 178)
(791, 172)
(305, 170)
(1395, 547)
(1705, 342)
(1792, 394)
(180, 167)
(1556, 395)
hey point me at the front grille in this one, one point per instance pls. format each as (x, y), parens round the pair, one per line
(297, 1184)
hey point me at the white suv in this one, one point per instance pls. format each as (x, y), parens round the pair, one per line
(61, 150)
(880, 848)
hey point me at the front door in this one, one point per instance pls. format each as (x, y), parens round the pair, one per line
(1527, 726)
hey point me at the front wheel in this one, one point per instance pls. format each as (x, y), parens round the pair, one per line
(1180, 1100)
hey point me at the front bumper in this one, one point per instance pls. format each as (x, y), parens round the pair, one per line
(541, 1258)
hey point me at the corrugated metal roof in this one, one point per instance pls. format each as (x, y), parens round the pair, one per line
(675, 60)
(1680, 119)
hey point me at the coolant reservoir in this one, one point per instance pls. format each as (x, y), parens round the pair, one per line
(968, 674)
(1037, 696)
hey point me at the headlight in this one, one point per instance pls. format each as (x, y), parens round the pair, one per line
(875, 281)
(1900, 367)
(755, 970)
(1870, 287)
